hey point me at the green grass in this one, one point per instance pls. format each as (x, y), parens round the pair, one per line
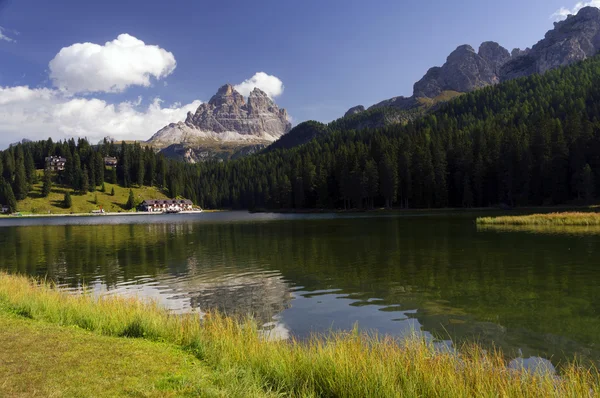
(41, 359)
(36, 204)
(558, 219)
(337, 365)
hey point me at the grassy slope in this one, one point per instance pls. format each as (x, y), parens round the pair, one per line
(40, 359)
(349, 365)
(35, 203)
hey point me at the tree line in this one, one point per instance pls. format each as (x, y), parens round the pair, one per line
(529, 141)
(84, 169)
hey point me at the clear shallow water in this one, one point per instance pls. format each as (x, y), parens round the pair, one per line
(530, 292)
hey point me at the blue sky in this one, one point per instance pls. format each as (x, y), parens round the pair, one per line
(329, 55)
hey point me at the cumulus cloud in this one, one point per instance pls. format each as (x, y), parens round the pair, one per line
(39, 113)
(271, 85)
(564, 12)
(112, 67)
(3, 35)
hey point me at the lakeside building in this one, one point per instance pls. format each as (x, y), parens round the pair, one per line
(110, 161)
(55, 163)
(4, 209)
(169, 205)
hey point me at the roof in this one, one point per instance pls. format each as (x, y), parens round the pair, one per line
(167, 202)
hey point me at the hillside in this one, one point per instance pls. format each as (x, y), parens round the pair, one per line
(53, 204)
(529, 141)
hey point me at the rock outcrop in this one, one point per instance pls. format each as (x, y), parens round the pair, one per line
(574, 39)
(465, 70)
(354, 110)
(571, 40)
(228, 118)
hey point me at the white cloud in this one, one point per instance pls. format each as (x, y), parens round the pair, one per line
(118, 64)
(4, 37)
(564, 12)
(39, 113)
(271, 85)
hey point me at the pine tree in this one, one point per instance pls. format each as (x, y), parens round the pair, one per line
(85, 181)
(103, 188)
(67, 202)
(20, 185)
(99, 169)
(113, 175)
(47, 185)
(30, 170)
(112, 191)
(130, 201)
(7, 197)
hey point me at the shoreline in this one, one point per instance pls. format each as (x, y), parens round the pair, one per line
(336, 364)
(108, 214)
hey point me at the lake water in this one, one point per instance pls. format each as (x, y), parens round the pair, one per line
(528, 292)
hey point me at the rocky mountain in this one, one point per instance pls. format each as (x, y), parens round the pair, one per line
(574, 39)
(227, 120)
(354, 110)
(465, 70)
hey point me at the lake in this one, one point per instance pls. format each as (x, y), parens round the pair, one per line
(532, 293)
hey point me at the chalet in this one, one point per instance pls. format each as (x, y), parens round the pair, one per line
(110, 161)
(166, 206)
(4, 209)
(55, 163)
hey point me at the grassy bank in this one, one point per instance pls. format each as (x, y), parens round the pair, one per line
(559, 219)
(345, 365)
(43, 359)
(35, 203)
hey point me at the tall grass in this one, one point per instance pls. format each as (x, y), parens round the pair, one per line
(560, 219)
(337, 365)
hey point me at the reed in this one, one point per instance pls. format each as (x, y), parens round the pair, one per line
(348, 364)
(559, 219)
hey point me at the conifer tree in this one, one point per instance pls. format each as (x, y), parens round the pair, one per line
(130, 201)
(85, 181)
(67, 201)
(47, 183)
(7, 197)
(20, 185)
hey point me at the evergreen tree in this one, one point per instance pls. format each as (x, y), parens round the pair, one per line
(85, 181)
(7, 197)
(20, 185)
(30, 170)
(99, 169)
(112, 191)
(130, 201)
(103, 188)
(67, 202)
(47, 183)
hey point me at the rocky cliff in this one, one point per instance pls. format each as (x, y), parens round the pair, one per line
(574, 39)
(228, 118)
(465, 70)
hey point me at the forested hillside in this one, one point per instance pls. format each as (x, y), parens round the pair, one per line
(529, 141)
(84, 170)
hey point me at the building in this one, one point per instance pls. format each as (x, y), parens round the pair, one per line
(55, 163)
(110, 161)
(4, 209)
(169, 205)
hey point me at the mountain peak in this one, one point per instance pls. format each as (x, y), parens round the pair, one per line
(227, 117)
(572, 40)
